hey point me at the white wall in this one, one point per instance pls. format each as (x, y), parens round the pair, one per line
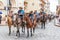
(4, 4)
(53, 4)
(19, 3)
(31, 7)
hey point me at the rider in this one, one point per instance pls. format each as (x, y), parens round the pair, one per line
(31, 15)
(21, 13)
(21, 16)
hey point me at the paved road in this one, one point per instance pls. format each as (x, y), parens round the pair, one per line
(50, 33)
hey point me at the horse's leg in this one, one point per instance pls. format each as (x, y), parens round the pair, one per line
(27, 32)
(31, 31)
(44, 25)
(41, 25)
(14, 24)
(24, 29)
(18, 32)
(9, 30)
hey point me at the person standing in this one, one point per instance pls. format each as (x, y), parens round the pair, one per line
(43, 20)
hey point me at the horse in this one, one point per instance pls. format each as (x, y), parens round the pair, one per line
(9, 21)
(15, 22)
(29, 24)
(19, 23)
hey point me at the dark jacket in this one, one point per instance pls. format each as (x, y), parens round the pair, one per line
(43, 18)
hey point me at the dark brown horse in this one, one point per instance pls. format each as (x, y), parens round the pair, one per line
(30, 25)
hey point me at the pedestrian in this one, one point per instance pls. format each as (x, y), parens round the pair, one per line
(43, 20)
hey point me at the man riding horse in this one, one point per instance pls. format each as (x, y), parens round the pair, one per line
(21, 16)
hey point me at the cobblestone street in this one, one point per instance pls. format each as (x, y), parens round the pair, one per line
(50, 33)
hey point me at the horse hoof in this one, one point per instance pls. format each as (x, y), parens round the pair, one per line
(18, 35)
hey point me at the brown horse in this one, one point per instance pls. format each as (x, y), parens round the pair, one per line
(30, 25)
(15, 22)
(9, 21)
